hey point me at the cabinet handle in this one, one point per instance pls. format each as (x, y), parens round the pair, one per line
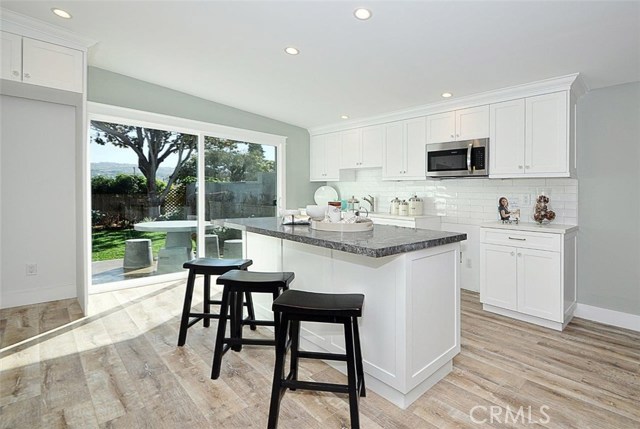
(451, 135)
(520, 167)
(16, 73)
(519, 255)
(527, 166)
(513, 253)
(457, 135)
(519, 239)
(27, 75)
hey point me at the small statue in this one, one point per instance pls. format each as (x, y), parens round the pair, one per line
(542, 213)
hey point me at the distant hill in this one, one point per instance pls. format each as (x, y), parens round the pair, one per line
(112, 169)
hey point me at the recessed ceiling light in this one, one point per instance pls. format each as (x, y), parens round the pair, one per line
(344, 117)
(446, 94)
(291, 50)
(61, 13)
(362, 13)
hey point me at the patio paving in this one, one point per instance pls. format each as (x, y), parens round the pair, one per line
(112, 271)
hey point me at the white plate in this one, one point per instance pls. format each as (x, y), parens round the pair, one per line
(324, 194)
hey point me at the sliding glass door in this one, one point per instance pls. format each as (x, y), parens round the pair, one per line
(240, 180)
(145, 185)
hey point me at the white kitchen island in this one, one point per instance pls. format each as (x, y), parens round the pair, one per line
(410, 327)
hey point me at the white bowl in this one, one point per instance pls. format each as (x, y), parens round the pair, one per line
(316, 212)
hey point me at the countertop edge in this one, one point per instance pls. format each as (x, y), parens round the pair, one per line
(359, 250)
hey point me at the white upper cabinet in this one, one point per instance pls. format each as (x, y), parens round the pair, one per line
(325, 157)
(529, 137)
(41, 63)
(464, 124)
(362, 147)
(404, 150)
(372, 140)
(11, 63)
(546, 137)
(506, 138)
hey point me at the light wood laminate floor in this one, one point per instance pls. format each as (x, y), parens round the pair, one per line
(119, 367)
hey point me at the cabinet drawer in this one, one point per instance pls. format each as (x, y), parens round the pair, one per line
(530, 240)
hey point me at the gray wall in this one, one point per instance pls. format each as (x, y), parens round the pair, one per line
(609, 198)
(119, 90)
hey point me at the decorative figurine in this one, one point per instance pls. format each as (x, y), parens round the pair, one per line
(542, 212)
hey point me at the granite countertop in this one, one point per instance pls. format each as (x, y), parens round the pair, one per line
(551, 228)
(382, 241)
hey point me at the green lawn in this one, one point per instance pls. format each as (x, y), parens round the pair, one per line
(109, 244)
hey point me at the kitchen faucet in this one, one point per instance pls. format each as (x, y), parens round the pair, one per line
(370, 200)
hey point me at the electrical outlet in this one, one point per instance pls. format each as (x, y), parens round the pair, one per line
(32, 269)
(526, 199)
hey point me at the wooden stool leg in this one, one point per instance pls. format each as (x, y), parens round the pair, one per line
(359, 365)
(236, 314)
(351, 375)
(295, 345)
(218, 349)
(186, 309)
(250, 310)
(277, 391)
(206, 303)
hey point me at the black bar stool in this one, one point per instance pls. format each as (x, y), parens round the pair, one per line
(208, 267)
(236, 283)
(293, 307)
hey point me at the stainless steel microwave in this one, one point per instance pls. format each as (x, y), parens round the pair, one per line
(458, 159)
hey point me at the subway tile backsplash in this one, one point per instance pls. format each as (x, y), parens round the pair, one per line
(466, 201)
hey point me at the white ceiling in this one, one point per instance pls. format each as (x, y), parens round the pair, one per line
(406, 55)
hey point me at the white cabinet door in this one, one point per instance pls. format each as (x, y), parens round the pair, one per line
(546, 137)
(324, 157)
(441, 127)
(393, 166)
(465, 124)
(11, 64)
(332, 156)
(540, 284)
(506, 137)
(52, 65)
(472, 123)
(415, 148)
(372, 140)
(351, 149)
(316, 159)
(498, 276)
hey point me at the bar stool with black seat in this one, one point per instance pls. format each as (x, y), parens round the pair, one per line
(295, 306)
(208, 267)
(236, 283)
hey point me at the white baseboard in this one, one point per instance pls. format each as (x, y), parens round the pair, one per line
(10, 299)
(609, 317)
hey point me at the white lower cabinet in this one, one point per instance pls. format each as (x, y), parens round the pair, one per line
(529, 275)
